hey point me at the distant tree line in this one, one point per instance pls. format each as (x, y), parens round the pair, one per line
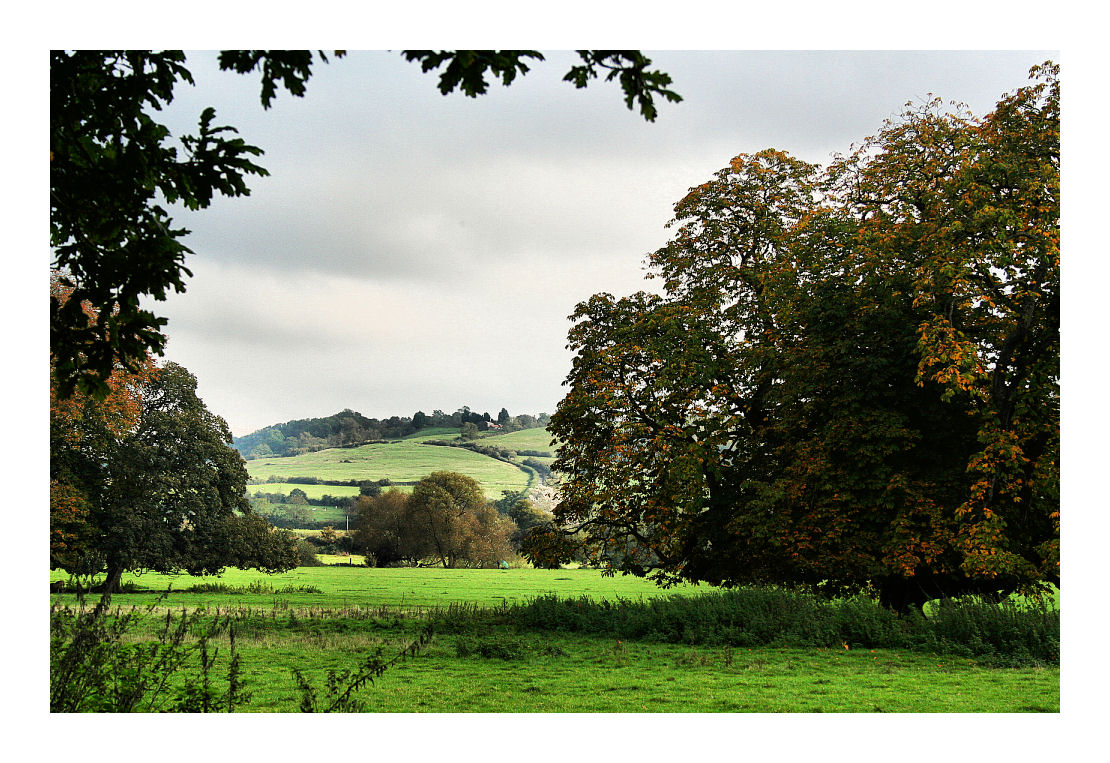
(350, 428)
(360, 484)
(298, 497)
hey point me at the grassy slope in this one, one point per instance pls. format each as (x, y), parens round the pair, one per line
(406, 460)
(524, 439)
(401, 461)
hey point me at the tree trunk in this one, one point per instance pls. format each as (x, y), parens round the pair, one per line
(902, 596)
(111, 582)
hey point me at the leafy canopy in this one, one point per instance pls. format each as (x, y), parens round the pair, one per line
(851, 379)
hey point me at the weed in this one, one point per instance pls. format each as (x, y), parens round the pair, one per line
(96, 666)
(1002, 634)
(491, 648)
(341, 686)
(618, 653)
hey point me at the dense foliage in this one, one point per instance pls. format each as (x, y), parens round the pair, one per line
(998, 633)
(851, 379)
(445, 520)
(113, 166)
(100, 663)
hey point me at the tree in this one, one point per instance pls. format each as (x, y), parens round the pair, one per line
(146, 479)
(83, 431)
(384, 529)
(523, 513)
(450, 511)
(113, 165)
(851, 379)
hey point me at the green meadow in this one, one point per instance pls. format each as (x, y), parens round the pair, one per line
(343, 585)
(481, 659)
(523, 439)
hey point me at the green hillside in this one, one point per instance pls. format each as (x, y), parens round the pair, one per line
(536, 438)
(402, 461)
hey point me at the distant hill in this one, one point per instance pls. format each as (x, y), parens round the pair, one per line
(350, 428)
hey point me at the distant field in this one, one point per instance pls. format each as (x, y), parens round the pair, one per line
(524, 439)
(403, 461)
(332, 515)
(312, 491)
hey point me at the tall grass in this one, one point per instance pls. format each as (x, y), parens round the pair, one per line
(1005, 634)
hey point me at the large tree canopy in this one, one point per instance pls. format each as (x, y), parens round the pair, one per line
(851, 379)
(113, 166)
(445, 519)
(146, 479)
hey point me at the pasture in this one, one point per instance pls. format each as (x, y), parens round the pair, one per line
(523, 439)
(325, 619)
(405, 588)
(400, 461)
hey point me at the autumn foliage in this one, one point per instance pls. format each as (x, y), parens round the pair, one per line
(850, 381)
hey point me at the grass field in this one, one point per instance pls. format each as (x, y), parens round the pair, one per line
(404, 587)
(523, 439)
(401, 461)
(562, 674)
(331, 618)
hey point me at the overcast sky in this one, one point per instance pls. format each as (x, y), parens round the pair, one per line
(413, 251)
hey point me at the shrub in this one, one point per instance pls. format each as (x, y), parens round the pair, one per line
(306, 553)
(861, 621)
(490, 648)
(1005, 633)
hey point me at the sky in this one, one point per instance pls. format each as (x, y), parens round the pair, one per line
(413, 251)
